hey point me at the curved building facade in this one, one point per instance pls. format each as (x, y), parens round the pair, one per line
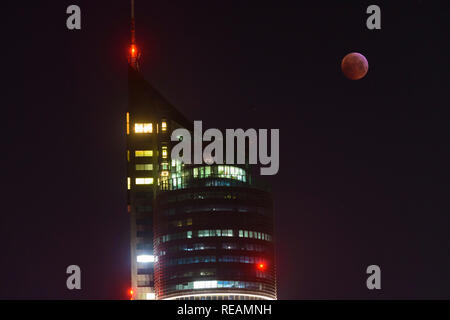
(213, 236)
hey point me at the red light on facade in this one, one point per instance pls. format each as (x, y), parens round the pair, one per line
(261, 266)
(131, 293)
(133, 51)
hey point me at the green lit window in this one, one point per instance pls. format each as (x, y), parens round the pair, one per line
(144, 167)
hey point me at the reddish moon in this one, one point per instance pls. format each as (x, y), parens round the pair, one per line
(354, 66)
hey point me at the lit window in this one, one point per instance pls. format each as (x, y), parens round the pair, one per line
(163, 126)
(128, 123)
(143, 153)
(164, 152)
(144, 180)
(144, 167)
(145, 258)
(128, 183)
(205, 284)
(128, 155)
(150, 296)
(165, 166)
(143, 128)
(164, 173)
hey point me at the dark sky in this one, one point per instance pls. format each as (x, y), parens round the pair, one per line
(363, 174)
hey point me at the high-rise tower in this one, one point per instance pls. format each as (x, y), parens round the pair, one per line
(197, 231)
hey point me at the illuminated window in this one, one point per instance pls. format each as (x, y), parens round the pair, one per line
(165, 166)
(143, 153)
(143, 128)
(144, 180)
(163, 126)
(215, 233)
(205, 284)
(164, 173)
(144, 167)
(255, 235)
(128, 183)
(150, 296)
(128, 155)
(145, 258)
(128, 123)
(164, 152)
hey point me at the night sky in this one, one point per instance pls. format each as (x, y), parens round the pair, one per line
(364, 164)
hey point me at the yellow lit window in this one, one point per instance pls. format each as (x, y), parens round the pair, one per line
(143, 128)
(128, 155)
(143, 153)
(128, 183)
(164, 173)
(164, 152)
(144, 180)
(163, 126)
(128, 123)
(144, 167)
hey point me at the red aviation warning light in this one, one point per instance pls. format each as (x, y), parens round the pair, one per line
(133, 51)
(131, 294)
(133, 56)
(261, 266)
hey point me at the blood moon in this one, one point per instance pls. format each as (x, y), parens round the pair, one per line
(354, 66)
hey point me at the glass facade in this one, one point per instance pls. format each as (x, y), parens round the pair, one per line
(226, 246)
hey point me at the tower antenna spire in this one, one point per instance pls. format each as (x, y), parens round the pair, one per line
(134, 53)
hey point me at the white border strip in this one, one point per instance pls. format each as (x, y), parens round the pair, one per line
(219, 294)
